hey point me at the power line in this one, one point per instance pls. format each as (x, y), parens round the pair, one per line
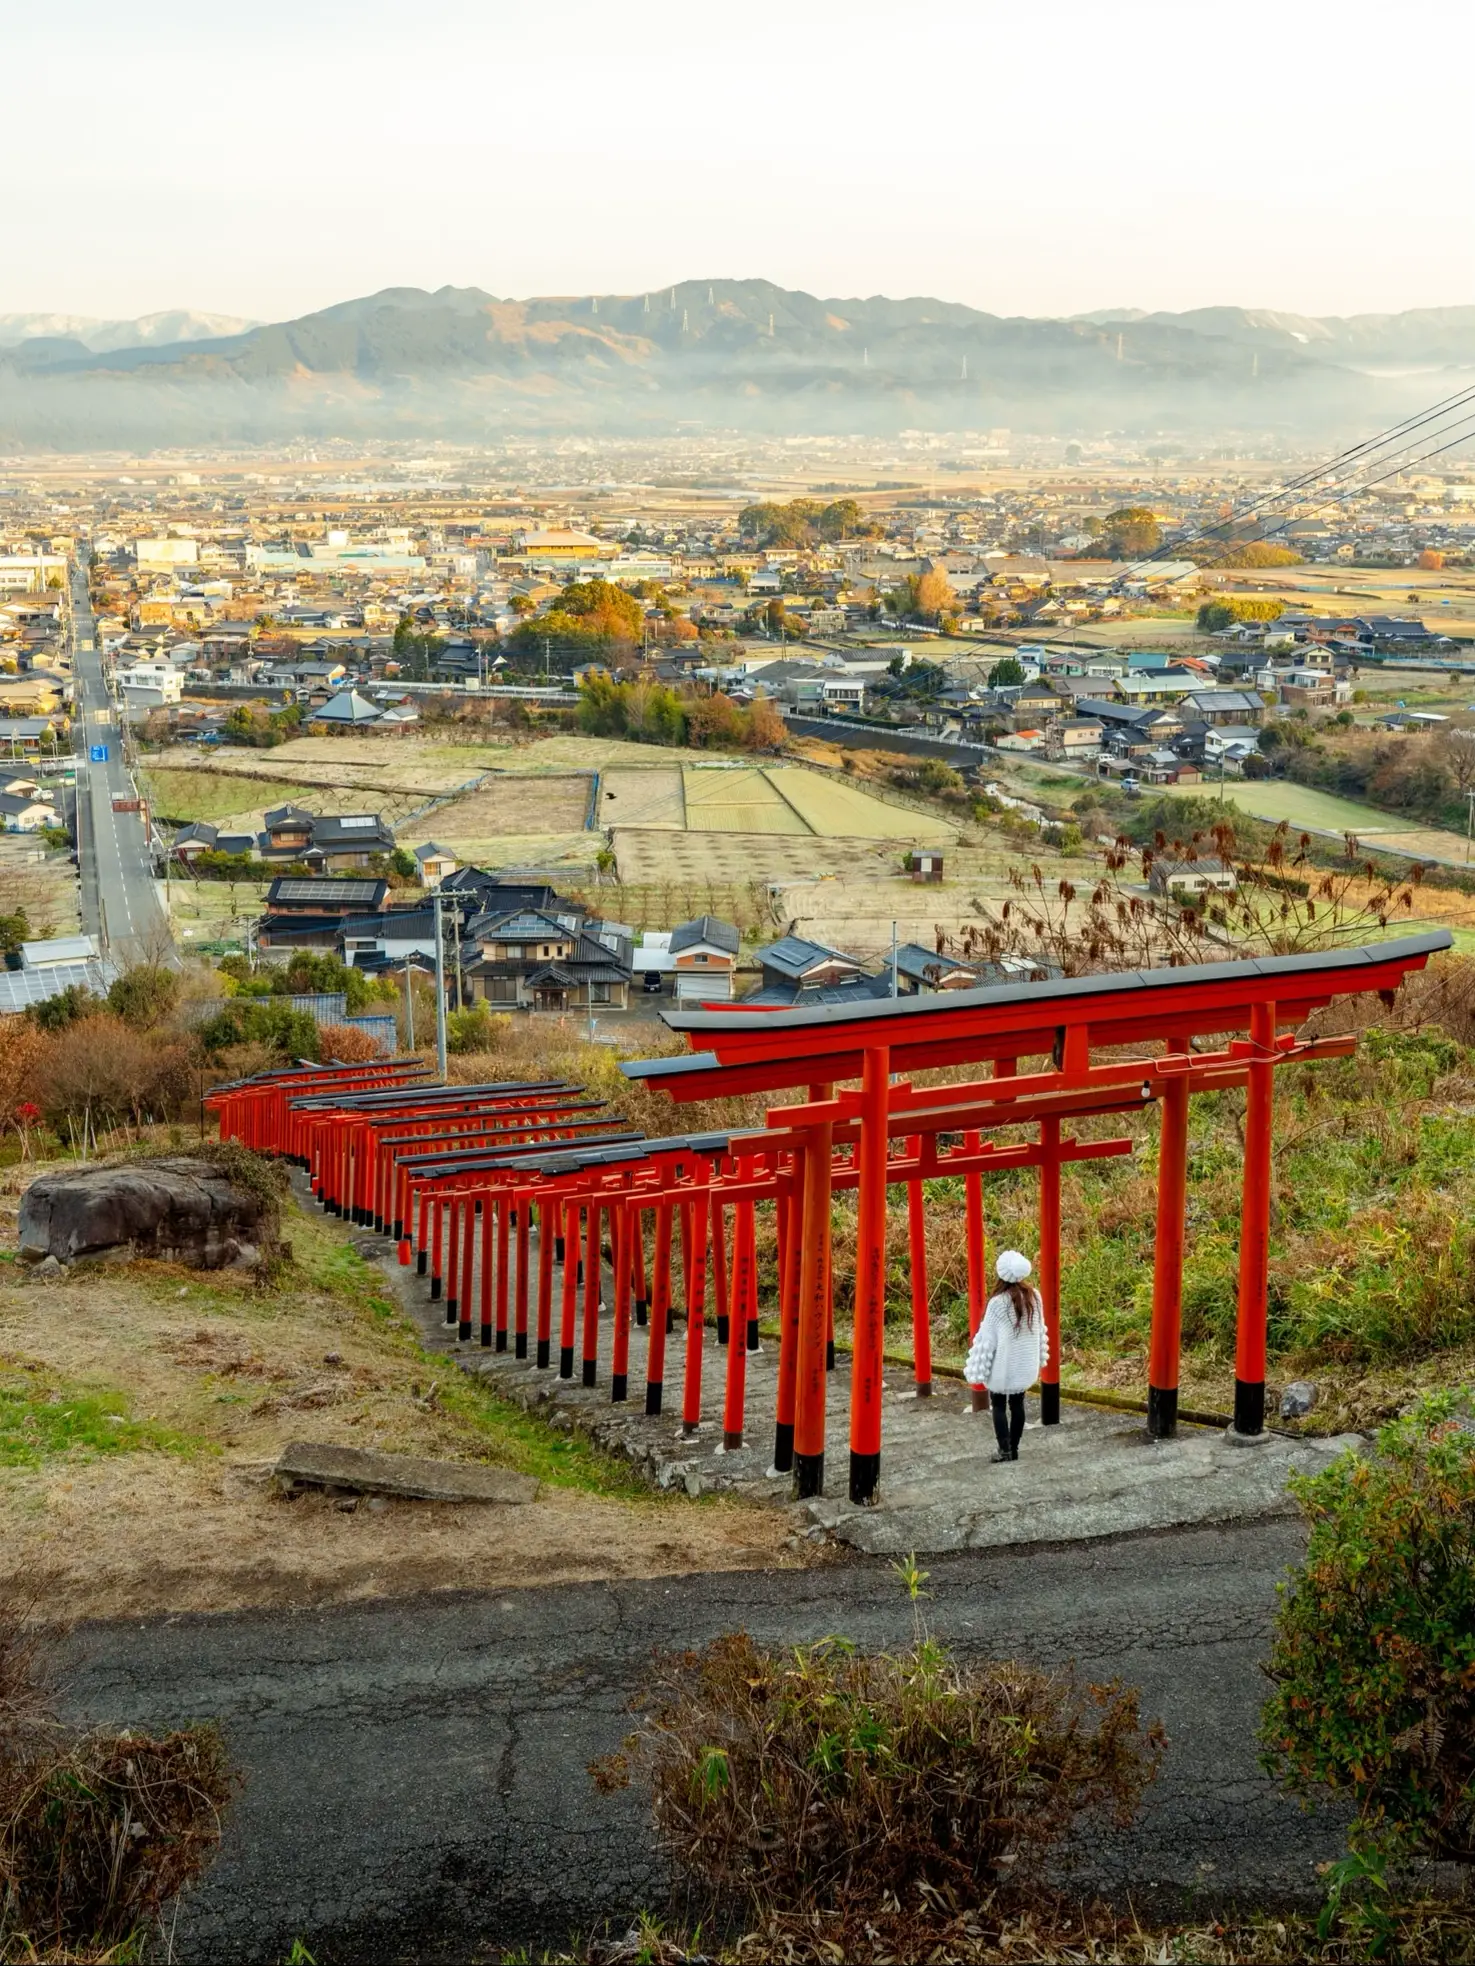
(1356, 455)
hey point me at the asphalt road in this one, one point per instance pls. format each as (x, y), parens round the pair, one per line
(415, 1772)
(120, 900)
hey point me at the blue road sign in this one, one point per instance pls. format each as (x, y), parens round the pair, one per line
(97, 754)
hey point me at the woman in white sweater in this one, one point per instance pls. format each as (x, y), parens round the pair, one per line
(1009, 1351)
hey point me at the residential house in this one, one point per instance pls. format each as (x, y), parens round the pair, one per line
(353, 839)
(919, 969)
(1182, 879)
(1222, 706)
(346, 710)
(287, 832)
(304, 678)
(531, 960)
(387, 939)
(704, 953)
(796, 971)
(22, 812)
(148, 686)
(434, 863)
(1161, 686)
(201, 837)
(1017, 570)
(1311, 689)
(1127, 730)
(308, 912)
(299, 895)
(1032, 705)
(1075, 737)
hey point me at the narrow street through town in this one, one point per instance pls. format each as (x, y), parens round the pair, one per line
(120, 897)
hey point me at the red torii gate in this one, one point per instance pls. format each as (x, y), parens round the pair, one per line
(1064, 1022)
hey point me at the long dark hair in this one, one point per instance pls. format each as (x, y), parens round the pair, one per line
(1025, 1300)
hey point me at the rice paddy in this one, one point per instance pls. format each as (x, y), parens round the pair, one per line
(764, 801)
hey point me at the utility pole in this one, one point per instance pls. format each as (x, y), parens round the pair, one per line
(440, 990)
(1469, 821)
(895, 991)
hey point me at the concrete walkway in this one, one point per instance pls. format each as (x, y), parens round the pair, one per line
(1096, 1474)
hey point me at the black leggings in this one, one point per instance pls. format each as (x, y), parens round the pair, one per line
(1008, 1412)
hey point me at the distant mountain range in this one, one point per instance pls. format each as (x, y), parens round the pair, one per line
(173, 324)
(736, 354)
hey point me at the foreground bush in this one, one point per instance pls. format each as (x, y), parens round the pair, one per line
(1374, 1656)
(98, 1831)
(828, 1779)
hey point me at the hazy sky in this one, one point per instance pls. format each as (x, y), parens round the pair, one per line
(266, 159)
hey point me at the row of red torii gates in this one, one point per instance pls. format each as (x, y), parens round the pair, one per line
(459, 1175)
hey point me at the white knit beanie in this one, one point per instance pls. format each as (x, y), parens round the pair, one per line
(1012, 1267)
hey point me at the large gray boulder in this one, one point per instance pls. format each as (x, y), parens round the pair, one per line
(181, 1208)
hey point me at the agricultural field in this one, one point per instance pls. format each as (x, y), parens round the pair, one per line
(771, 801)
(396, 769)
(214, 911)
(854, 909)
(738, 802)
(1323, 812)
(186, 796)
(653, 797)
(43, 881)
(756, 823)
(647, 856)
(506, 806)
(834, 810)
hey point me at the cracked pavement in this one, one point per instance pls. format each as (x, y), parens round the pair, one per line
(416, 1771)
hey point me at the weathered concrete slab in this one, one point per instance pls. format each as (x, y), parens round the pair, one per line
(315, 1464)
(1098, 1473)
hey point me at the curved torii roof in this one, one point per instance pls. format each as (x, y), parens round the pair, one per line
(764, 1050)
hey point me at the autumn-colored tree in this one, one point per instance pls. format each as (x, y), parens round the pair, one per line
(22, 1060)
(715, 722)
(1131, 533)
(766, 730)
(604, 610)
(1431, 561)
(934, 593)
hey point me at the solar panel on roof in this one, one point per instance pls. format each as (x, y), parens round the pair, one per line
(350, 891)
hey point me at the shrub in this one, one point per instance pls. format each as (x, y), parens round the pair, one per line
(475, 1029)
(288, 1033)
(829, 1778)
(99, 1831)
(1374, 1654)
(144, 995)
(350, 1044)
(67, 1007)
(102, 1068)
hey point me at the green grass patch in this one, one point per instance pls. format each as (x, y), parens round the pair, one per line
(44, 1419)
(209, 795)
(497, 1429)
